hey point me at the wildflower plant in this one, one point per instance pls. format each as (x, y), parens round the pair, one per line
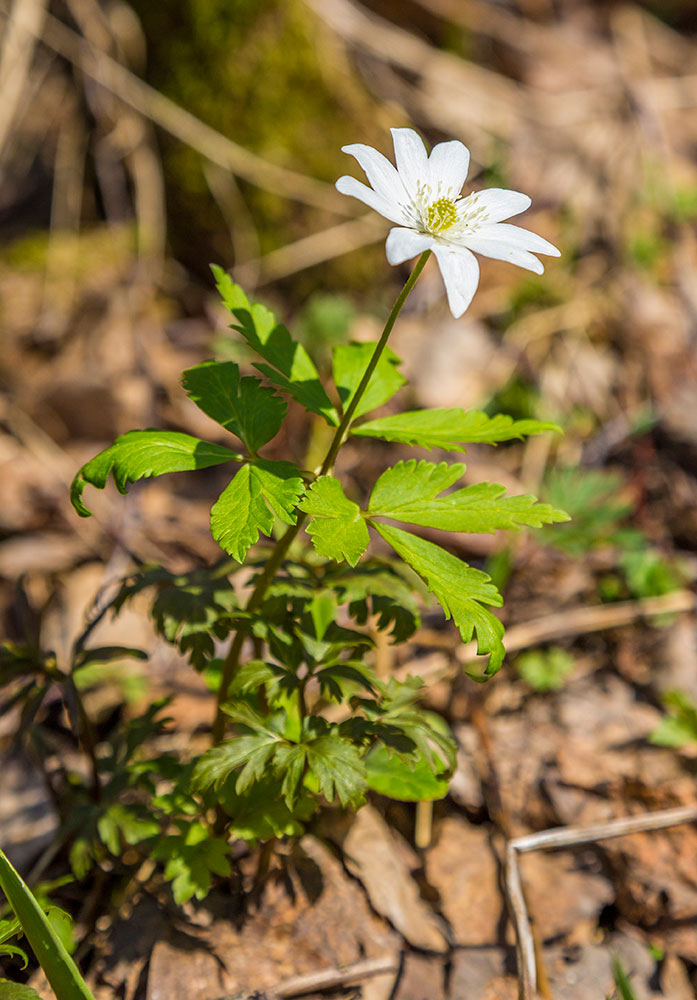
(301, 717)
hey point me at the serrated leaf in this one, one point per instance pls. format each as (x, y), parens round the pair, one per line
(243, 406)
(339, 769)
(349, 364)
(377, 589)
(460, 590)
(13, 951)
(289, 366)
(216, 765)
(261, 813)
(328, 679)
(250, 676)
(191, 859)
(408, 484)
(289, 764)
(404, 780)
(142, 454)
(248, 504)
(336, 526)
(408, 492)
(450, 429)
(130, 822)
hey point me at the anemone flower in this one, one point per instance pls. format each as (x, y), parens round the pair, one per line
(422, 195)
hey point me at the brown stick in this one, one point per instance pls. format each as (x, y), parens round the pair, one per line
(567, 837)
(326, 979)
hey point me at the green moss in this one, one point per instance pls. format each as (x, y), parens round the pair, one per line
(77, 254)
(257, 71)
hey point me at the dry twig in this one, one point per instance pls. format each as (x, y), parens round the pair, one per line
(567, 837)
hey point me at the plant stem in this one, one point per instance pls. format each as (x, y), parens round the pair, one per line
(281, 548)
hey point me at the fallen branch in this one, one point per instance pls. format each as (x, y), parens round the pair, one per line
(567, 837)
(327, 979)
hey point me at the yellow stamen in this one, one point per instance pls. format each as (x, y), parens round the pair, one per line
(441, 215)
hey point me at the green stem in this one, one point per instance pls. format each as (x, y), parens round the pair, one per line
(279, 552)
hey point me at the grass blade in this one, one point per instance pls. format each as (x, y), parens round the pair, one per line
(59, 968)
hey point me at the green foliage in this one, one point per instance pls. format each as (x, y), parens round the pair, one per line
(311, 612)
(545, 669)
(336, 525)
(450, 429)
(192, 857)
(287, 363)
(409, 492)
(405, 781)
(248, 504)
(142, 454)
(592, 498)
(648, 573)
(189, 610)
(460, 590)
(243, 406)
(679, 727)
(16, 991)
(349, 364)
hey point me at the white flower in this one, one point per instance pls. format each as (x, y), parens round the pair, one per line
(422, 195)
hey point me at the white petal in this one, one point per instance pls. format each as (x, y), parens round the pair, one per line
(403, 244)
(411, 158)
(500, 204)
(460, 272)
(354, 189)
(515, 237)
(381, 174)
(448, 165)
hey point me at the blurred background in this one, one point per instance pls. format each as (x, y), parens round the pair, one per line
(141, 141)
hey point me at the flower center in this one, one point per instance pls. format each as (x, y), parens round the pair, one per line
(440, 215)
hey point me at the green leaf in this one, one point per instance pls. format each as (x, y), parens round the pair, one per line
(262, 813)
(190, 609)
(408, 492)
(545, 670)
(349, 364)
(243, 406)
(107, 654)
(679, 727)
(450, 429)
(17, 991)
(142, 454)
(289, 365)
(323, 612)
(289, 763)
(459, 589)
(191, 859)
(132, 823)
(248, 504)
(59, 968)
(253, 751)
(336, 525)
(339, 769)
(379, 590)
(14, 951)
(405, 780)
